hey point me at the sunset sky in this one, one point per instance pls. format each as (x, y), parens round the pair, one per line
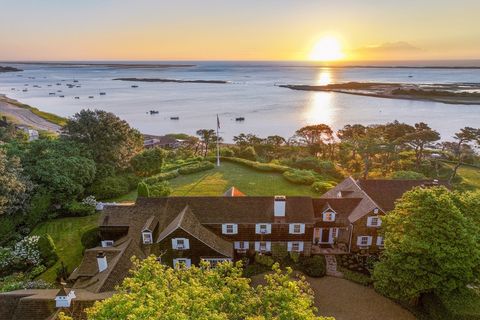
(239, 30)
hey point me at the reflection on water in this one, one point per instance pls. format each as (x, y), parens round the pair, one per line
(320, 108)
(324, 77)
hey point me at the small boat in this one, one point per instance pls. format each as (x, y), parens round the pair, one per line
(174, 118)
(77, 97)
(134, 86)
(62, 96)
(59, 84)
(49, 85)
(26, 84)
(59, 90)
(240, 119)
(51, 94)
(36, 86)
(78, 86)
(153, 111)
(13, 89)
(75, 80)
(103, 93)
(90, 97)
(25, 90)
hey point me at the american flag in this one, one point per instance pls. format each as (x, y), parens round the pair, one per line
(218, 122)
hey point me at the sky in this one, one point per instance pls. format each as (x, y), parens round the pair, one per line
(238, 30)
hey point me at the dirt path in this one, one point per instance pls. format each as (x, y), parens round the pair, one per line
(26, 117)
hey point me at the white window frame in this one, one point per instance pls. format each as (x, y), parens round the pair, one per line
(107, 243)
(258, 246)
(361, 243)
(186, 261)
(263, 228)
(329, 213)
(145, 235)
(241, 245)
(184, 246)
(227, 226)
(380, 242)
(371, 219)
(295, 246)
(292, 226)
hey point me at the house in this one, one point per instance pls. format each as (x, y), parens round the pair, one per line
(165, 142)
(187, 230)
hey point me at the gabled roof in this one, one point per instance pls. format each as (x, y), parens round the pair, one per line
(343, 207)
(233, 192)
(188, 222)
(151, 223)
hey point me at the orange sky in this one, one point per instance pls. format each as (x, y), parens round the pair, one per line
(237, 30)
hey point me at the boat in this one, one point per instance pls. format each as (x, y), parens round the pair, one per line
(153, 111)
(62, 96)
(75, 80)
(134, 86)
(103, 93)
(240, 119)
(51, 94)
(59, 90)
(174, 118)
(59, 84)
(90, 97)
(77, 97)
(25, 90)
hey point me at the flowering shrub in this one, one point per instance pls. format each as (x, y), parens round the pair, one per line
(6, 258)
(26, 251)
(90, 201)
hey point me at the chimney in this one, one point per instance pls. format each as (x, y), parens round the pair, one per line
(102, 261)
(279, 206)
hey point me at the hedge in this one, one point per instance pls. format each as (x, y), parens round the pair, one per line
(164, 176)
(197, 167)
(298, 176)
(47, 249)
(314, 266)
(270, 167)
(456, 306)
(356, 277)
(91, 238)
(323, 186)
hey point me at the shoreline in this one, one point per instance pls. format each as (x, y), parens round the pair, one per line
(103, 64)
(171, 80)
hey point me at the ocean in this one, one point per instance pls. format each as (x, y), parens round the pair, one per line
(251, 92)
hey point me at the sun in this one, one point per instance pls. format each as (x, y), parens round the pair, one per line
(327, 49)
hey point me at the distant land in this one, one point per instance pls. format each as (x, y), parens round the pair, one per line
(171, 80)
(104, 64)
(457, 93)
(9, 69)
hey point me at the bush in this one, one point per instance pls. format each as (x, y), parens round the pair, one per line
(268, 167)
(279, 252)
(322, 186)
(294, 256)
(323, 167)
(78, 209)
(110, 187)
(148, 162)
(90, 238)
(39, 208)
(160, 189)
(143, 190)
(254, 269)
(314, 266)
(227, 152)
(247, 153)
(48, 251)
(164, 176)
(407, 175)
(264, 260)
(300, 176)
(197, 167)
(463, 305)
(356, 277)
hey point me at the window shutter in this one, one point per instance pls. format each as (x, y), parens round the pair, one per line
(235, 228)
(300, 246)
(379, 221)
(369, 221)
(359, 240)
(269, 246)
(257, 246)
(379, 241)
(291, 228)
(369, 242)
(174, 243)
(302, 228)
(245, 245)
(224, 228)
(236, 245)
(188, 262)
(187, 243)
(289, 246)
(257, 228)
(269, 228)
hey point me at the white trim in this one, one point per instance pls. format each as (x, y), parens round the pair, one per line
(107, 243)
(371, 219)
(361, 243)
(266, 230)
(268, 246)
(145, 236)
(379, 242)
(225, 227)
(176, 246)
(188, 262)
(291, 228)
(290, 245)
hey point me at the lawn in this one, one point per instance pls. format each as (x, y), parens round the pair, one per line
(470, 177)
(216, 181)
(66, 233)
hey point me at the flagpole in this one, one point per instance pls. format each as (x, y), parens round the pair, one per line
(218, 150)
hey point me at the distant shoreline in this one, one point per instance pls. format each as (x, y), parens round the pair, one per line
(101, 64)
(171, 80)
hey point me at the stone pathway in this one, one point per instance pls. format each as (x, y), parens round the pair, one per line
(332, 266)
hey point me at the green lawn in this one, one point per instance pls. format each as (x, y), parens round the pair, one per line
(470, 177)
(216, 181)
(66, 233)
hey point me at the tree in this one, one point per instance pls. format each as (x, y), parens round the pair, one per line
(431, 246)
(148, 162)
(109, 139)
(155, 291)
(460, 148)
(143, 190)
(14, 186)
(419, 139)
(208, 137)
(159, 189)
(316, 137)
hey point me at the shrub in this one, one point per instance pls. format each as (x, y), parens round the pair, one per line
(227, 152)
(409, 175)
(197, 167)
(264, 260)
(254, 269)
(160, 189)
(322, 186)
(148, 162)
(314, 266)
(269, 167)
(456, 306)
(6, 259)
(78, 209)
(143, 190)
(110, 187)
(164, 176)
(48, 251)
(39, 208)
(300, 176)
(279, 252)
(295, 256)
(247, 153)
(356, 277)
(90, 238)
(26, 252)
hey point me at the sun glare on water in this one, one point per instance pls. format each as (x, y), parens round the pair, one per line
(327, 49)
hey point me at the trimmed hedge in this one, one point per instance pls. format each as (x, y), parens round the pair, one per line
(197, 167)
(314, 266)
(323, 186)
(456, 306)
(47, 249)
(114, 186)
(78, 209)
(356, 277)
(91, 238)
(269, 167)
(164, 176)
(298, 176)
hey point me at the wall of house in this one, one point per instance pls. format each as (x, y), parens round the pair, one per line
(196, 251)
(360, 228)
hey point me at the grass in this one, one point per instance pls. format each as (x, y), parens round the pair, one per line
(53, 118)
(470, 177)
(66, 234)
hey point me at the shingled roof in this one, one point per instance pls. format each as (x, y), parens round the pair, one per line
(343, 207)
(188, 222)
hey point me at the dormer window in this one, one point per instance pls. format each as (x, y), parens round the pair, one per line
(374, 221)
(375, 210)
(329, 216)
(180, 244)
(339, 194)
(263, 228)
(229, 228)
(147, 237)
(296, 228)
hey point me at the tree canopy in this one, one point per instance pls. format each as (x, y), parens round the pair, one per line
(431, 244)
(155, 291)
(14, 187)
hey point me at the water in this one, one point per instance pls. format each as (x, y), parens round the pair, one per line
(251, 93)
